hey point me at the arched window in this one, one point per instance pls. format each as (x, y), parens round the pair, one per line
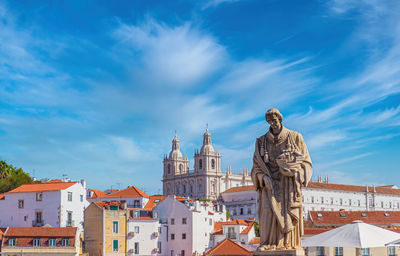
(181, 168)
(184, 189)
(200, 164)
(169, 168)
(212, 163)
(191, 188)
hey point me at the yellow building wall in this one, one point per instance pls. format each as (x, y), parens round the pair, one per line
(93, 225)
(109, 236)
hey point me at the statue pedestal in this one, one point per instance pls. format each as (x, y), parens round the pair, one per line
(298, 252)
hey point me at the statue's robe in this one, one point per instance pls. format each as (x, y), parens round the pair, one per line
(280, 199)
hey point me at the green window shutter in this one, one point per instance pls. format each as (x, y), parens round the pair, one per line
(115, 245)
(114, 207)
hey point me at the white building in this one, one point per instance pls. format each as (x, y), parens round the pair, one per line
(319, 196)
(239, 230)
(189, 225)
(57, 203)
(206, 180)
(241, 202)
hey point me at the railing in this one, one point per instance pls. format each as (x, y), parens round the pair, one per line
(36, 223)
(70, 223)
(231, 235)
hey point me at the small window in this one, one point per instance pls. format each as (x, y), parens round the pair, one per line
(320, 251)
(363, 214)
(159, 247)
(169, 169)
(183, 220)
(69, 196)
(338, 251)
(182, 253)
(241, 211)
(136, 229)
(136, 204)
(39, 196)
(172, 221)
(365, 251)
(136, 214)
(391, 251)
(52, 242)
(172, 236)
(183, 235)
(115, 227)
(386, 214)
(159, 230)
(210, 222)
(81, 197)
(65, 242)
(157, 201)
(25, 218)
(136, 248)
(155, 214)
(114, 207)
(115, 245)
(21, 204)
(36, 242)
(249, 210)
(212, 163)
(12, 242)
(200, 164)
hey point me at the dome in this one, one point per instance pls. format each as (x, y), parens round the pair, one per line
(175, 152)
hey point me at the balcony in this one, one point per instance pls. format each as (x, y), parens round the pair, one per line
(37, 223)
(231, 235)
(70, 223)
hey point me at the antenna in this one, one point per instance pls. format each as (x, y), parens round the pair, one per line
(119, 185)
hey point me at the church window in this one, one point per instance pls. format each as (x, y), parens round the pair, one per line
(191, 188)
(200, 164)
(212, 163)
(184, 189)
(169, 168)
(180, 167)
(249, 210)
(241, 211)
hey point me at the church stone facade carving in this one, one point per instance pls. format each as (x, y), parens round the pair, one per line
(206, 180)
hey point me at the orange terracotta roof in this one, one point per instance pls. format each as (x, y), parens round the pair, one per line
(131, 191)
(54, 181)
(248, 228)
(40, 232)
(2, 196)
(228, 247)
(97, 193)
(240, 189)
(371, 217)
(315, 231)
(103, 205)
(153, 202)
(256, 240)
(41, 187)
(380, 190)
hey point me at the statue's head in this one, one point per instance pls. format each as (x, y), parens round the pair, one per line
(274, 118)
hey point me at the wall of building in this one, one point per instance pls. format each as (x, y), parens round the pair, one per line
(109, 236)
(147, 238)
(93, 230)
(76, 206)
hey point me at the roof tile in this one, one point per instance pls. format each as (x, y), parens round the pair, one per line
(42, 187)
(228, 247)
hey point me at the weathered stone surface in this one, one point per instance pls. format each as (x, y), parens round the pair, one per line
(281, 165)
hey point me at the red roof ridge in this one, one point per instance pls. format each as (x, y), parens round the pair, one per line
(239, 189)
(130, 191)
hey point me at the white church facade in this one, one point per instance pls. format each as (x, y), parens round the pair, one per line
(206, 180)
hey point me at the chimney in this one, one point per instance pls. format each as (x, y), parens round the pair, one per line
(83, 182)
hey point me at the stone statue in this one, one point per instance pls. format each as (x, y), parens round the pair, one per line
(281, 166)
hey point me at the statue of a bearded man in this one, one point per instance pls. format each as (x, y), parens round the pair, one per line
(281, 166)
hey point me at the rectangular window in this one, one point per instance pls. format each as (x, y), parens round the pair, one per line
(159, 230)
(210, 221)
(320, 251)
(350, 202)
(136, 214)
(36, 242)
(172, 221)
(69, 196)
(115, 245)
(69, 219)
(322, 199)
(249, 210)
(136, 248)
(183, 235)
(172, 253)
(136, 229)
(359, 202)
(38, 218)
(241, 211)
(338, 251)
(172, 236)
(12, 242)
(81, 198)
(183, 253)
(136, 204)
(39, 196)
(341, 201)
(183, 220)
(155, 214)
(312, 199)
(331, 200)
(52, 242)
(365, 251)
(21, 204)
(65, 242)
(381, 204)
(159, 247)
(115, 227)
(391, 251)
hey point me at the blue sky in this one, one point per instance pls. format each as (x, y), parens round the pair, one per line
(96, 89)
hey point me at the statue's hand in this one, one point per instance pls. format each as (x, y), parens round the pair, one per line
(264, 181)
(286, 172)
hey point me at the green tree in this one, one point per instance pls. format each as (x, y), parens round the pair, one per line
(257, 228)
(12, 177)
